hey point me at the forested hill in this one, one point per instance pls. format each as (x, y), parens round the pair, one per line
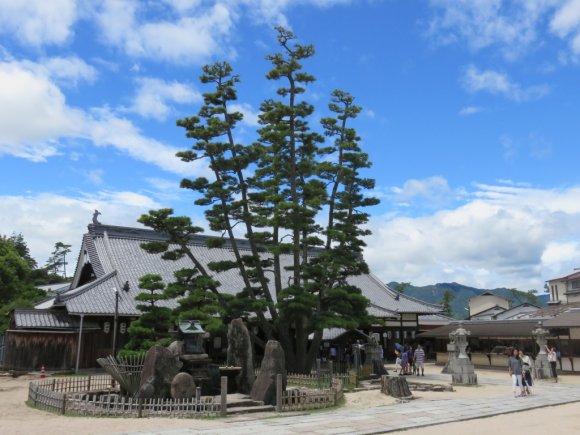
(462, 294)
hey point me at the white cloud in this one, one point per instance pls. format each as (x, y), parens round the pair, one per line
(47, 218)
(69, 69)
(503, 236)
(108, 129)
(190, 31)
(470, 110)
(272, 12)
(250, 115)
(498, 83)
(154, 95)
(37, 121)
(566, 23)
(510, 25)
(190, 37)
(38, 22)
(95, 176)
(34, 113)
(434, 191)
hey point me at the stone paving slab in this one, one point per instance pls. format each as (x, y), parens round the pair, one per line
(385, 419)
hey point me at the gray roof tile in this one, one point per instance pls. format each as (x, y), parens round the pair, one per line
(119, 258)
(49, 319)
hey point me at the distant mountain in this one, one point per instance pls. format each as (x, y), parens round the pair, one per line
(434, 294)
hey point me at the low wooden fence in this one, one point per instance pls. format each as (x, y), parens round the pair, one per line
(296, 399)
(322, 380)
(98, 396)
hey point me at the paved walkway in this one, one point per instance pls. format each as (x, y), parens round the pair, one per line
(386, 418)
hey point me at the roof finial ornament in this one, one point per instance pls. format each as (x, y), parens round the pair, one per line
(95, 217)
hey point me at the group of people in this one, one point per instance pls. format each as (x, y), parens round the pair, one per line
(409, 361)
(520, 370)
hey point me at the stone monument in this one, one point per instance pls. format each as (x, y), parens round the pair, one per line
(461, 369)
(159, 369)
(274, 363)
(541, 365)
(240, 355)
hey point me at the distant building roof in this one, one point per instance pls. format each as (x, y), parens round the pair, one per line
(573, 275)
(115, 255)
(568, 319)
(516, 312)
(49, 319)
(488, 311)
(329, 334)
(487, 328)
(550, 311)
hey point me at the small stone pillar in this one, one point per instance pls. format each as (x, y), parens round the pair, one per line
(541, 365)
(461, 369)
(452, 353)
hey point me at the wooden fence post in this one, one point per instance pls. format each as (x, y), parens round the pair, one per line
(279, 392)
(89, 383)
(139, 407)
(197, 395)
(330, 370)
(63, 404)
(224, 396)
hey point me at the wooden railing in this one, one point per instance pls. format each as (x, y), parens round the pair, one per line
(295, 399)
(99, 396)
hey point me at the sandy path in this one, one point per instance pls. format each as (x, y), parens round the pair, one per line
(17, 418)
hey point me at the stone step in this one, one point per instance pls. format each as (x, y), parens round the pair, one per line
(244, 403)
(250, 409)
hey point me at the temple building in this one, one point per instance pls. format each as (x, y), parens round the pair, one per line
(89, 319)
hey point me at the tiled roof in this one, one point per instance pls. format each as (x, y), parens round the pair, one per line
(516, 312)
(570, 318)
(118, 258)
(487, 328)
(334, 333)
(49, 319)
(425, 318)
(550, 311)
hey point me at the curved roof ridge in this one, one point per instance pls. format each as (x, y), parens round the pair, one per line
(85, 288)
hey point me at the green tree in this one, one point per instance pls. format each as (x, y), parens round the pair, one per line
(152, 327)
(292, 194)
(57, 260)
(402, 286)
(16, 287)
(448, 297)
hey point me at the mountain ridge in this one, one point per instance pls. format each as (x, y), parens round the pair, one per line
(462, 293)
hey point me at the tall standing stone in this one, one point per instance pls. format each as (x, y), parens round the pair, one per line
(274, 362)
(159, 369)
(240, 355)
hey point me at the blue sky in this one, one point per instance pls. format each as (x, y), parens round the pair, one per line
(471, 118)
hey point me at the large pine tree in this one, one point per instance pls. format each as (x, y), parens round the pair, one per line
(294, 196)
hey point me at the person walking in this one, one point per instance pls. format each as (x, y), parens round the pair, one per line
(526, 373)
(398, 361)
(404, 362)
(553, 360)
(411, 360)
(515, 371)
(420, 360)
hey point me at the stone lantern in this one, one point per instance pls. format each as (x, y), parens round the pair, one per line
(196, 361)
(461, 369)
(541, 365)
